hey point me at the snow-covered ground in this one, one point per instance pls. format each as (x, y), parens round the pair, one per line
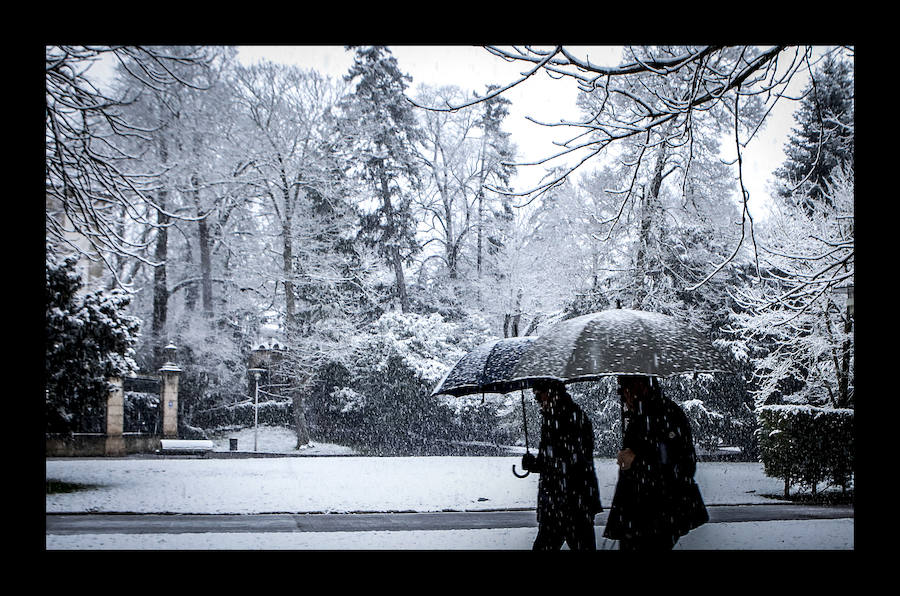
(358, 484)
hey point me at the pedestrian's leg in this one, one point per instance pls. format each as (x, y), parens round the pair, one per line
(628, 544)
(648, 543)
(581, 535)
(660, 542)
(548, 538)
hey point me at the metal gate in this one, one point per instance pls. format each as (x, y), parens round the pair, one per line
(141, 405)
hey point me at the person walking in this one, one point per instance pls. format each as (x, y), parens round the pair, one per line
(656, 500)
(568, 494)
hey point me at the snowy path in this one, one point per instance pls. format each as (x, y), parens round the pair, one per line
(830, 534)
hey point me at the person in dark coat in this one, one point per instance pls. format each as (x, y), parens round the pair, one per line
(568, 495)
(656, 500)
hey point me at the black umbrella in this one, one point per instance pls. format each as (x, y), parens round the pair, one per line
(618, 342)
(488, 369)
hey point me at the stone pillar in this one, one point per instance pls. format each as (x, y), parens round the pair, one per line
(115, 419)
(168, 394)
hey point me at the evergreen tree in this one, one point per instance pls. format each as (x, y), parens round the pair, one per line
(381, 131)
(823, 137)
(794, 316)
(89, 339)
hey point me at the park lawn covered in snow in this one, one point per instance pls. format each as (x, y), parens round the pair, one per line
(343, 484)
(335, 484)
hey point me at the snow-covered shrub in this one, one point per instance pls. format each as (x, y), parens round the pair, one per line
(718, 408)
(806, 445)
(379, 404)
(600, 402)
(427, 343)
(213, 371)
(89, 339)
(707, 424)
(379, 400)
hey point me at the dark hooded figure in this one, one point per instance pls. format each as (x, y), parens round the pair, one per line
(568, 495)
(656, 499)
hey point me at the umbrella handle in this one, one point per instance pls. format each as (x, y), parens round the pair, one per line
(525, 422)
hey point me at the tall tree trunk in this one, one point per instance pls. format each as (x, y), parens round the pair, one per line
(206, 288)
(478, 255)
(191, 292)
(480, 222)
(648, 212)
(160, 286)
(290, 309)
(401, 279)
(394, 252)
(287, 256)
(451, 246)
(300, 426)
(511, 320)
(840, 358)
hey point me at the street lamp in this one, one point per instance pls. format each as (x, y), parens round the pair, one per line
(256, 372)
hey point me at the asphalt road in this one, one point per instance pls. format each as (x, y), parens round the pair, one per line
(132, 523)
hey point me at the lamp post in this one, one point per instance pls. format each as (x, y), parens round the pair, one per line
(256, 372)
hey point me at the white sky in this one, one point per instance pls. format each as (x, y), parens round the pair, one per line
(542, 98)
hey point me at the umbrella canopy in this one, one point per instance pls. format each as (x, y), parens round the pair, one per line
(618, 342)
(486, 369)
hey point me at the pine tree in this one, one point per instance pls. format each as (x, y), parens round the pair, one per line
(823, 137)
(382, 130)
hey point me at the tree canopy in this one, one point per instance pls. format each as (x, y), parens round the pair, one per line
(370, 225)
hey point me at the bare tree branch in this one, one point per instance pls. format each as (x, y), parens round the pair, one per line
(87, 184)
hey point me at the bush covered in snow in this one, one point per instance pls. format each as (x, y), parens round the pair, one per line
(806, 445)
(89, 340)
(379, 401)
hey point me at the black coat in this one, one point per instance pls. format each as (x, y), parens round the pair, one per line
(567, 489)
(657, 496)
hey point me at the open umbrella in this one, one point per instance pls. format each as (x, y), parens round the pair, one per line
(488, 369)
(618, 342)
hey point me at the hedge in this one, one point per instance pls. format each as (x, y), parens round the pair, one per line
(806, 445)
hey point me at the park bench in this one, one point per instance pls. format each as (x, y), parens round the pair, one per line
(184, 446)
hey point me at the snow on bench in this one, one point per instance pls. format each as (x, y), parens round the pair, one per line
(185, 446)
